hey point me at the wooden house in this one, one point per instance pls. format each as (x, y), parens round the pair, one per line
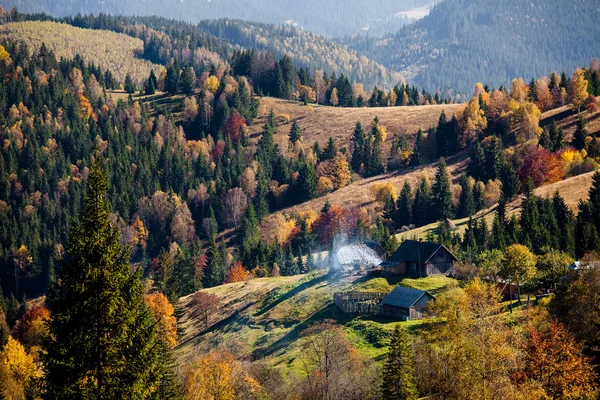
(419, 259)
(404, 302)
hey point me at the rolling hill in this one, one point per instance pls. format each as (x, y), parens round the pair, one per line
(462, 42)
(306, 49)
(329, 18)
(116, 52)
(319, 123)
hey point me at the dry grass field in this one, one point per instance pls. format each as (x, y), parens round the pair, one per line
(322, 122)
(114, 51)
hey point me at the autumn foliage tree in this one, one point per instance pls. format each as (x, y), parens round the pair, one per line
(163, 313)
(18, 372)
(205, 305)
(540, 167)
(238, 273)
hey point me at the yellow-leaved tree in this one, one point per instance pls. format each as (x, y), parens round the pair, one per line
(218, 376)
(4, 55)
(18, 371)
(163, 311)
(578, 86)
(211, 84)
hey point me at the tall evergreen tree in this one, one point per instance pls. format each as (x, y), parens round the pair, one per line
(466, 205)
(103, 342)
(404, 207)
(358, 147)
(398, 371)
(566, 224)
(494, 159)
(187, 80)
(594, 196)
(421, 211)
(476, 167)
(215, 269)
(442, 192)
(510, 182)
(580, 134)
(417, 156)
(295, 135)
(329, 151)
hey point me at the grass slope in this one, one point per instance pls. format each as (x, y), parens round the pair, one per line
(321, 122)
(264, 318)
(114, 51)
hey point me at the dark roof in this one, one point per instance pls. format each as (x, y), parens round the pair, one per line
(409, 251)
(403, 297)
(375, 246)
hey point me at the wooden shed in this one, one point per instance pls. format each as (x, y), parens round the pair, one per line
(419, 259)
(406, 302)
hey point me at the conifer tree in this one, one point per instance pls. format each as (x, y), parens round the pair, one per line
(580, 134)
(307, 182)
(172, 79)
(566, 224)
(421, 212)
(494, 159)
(295, 135)
(594, 196)
(510, 182)
(466, 205)
(476, 167)
(442, 192)
(215, 270)
(398, 372)
(478, 198)
(187, 80)
(404, 207)
(417, 157)
(358, 147)
(330, 150)
(441, 137)
(103, 342)
(544, 140)
(129, 85)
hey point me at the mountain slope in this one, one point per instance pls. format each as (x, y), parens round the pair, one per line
(112, 51)
(305, 48)
(329, 18)
(462, 42)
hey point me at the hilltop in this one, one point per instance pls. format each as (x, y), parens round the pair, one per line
(112, 51)
(318, 123)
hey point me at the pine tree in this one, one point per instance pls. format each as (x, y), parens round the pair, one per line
(441, 137)
(129, 85)
(544, 140)
(358, 147)
(442, 192)
(566, 224)
(478, 198)
(557, 138)
(494, 159)
(307, 182)
(510, 182)
(103, 342)
(398, 372)
(329, 151)
(421, 212)
(594, 196)
(476, 167)
(295, 135)
(187, 80)
(417, 157)
(172, 79)
(580, 134)
(404, 207)
(466, 205)
(215, 269)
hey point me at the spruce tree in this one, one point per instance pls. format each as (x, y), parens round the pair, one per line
(421, 212)
(580, 134)
(476, 167)
(129, 85)
(215, 270)
(442, 192)
(441, 137)
(187, 81)
(566, 224)
(478, 198)
(172, 79)
(330, 150)
(510, 182)
(358, 146)
(404, 207)
(594, 195)
(466, 205)
(398, 372)
(417, 157)
(103, 342)
(494, 159)
(295, 135)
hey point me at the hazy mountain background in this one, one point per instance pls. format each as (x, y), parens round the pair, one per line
(331, 18)
(464, 41)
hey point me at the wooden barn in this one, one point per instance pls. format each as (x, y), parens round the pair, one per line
(419, 259)
(404, 302)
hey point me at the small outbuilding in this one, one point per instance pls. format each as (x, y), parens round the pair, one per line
(419, 259)
(404, 302)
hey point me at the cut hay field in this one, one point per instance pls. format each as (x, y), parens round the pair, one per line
(114, 51)
(319, 123)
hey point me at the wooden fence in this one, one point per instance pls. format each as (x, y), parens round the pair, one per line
(359, 302)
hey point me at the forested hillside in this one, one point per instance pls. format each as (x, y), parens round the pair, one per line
(109, 50)
(307, 49)
(328, 18)
(461, 42)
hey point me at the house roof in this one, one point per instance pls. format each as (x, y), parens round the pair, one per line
(375, 246)
(409, 251)
(357, 254)
(403, 297)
